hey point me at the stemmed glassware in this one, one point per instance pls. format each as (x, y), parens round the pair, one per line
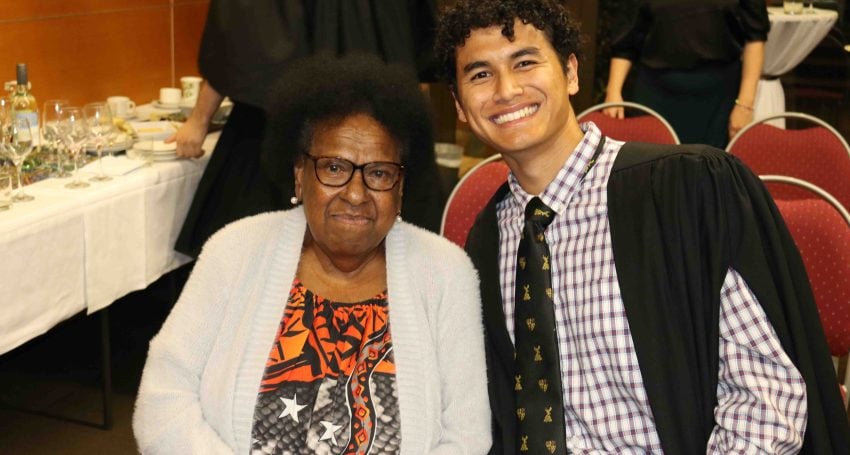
(50, 133)
(73, 133)
(100, 128)
(17, 140)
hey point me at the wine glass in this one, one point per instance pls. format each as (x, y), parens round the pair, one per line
(100, 127)
(50, 133)
(5, 111)
(73, 133)
(18, 144)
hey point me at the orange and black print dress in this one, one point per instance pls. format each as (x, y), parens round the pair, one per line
(329, 383)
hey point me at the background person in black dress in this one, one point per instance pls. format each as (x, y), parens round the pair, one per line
(698, 64)
(245, 46)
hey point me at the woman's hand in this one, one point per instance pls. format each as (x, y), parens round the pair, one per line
(615, 112)
(739, 118)
(614, 90)
(190, 138)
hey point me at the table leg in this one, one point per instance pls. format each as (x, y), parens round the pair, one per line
(106, 368)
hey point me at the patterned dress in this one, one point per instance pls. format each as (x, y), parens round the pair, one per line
(329, 382)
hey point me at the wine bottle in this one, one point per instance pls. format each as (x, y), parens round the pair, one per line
(23, 102)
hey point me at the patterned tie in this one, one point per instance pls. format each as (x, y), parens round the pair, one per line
(539, 398)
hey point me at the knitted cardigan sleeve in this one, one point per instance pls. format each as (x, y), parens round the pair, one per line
(169, 417)
(465, 417)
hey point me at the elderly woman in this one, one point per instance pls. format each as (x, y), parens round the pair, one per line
(333, 327)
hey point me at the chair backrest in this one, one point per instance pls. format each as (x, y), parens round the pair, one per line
(649, 126)
(820, 226)
(469, 197)
(816, 154)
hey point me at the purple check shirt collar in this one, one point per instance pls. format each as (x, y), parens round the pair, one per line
(557, 193)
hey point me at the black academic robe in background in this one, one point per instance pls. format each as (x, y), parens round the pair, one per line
(680, 217)
(245, 47)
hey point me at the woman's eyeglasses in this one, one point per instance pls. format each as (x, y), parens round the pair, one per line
(336, 172)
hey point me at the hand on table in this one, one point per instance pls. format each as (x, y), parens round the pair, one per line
(189, 138)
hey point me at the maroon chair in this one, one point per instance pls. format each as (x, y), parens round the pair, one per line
(816, 154)
(647, 126)
(469, 197)
(820, 226)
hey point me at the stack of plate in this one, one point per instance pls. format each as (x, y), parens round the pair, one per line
(115, 143)
(157, 150)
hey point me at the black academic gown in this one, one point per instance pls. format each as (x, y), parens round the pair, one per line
(245, 47)
(680, 217)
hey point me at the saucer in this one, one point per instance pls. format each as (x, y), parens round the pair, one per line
(171, 107)
(109, 149)
(117, 146)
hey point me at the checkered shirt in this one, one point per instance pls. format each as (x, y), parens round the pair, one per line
(761, 395)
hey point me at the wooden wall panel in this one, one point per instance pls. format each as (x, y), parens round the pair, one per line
(86, 50)
(189, 18)
(29, 10)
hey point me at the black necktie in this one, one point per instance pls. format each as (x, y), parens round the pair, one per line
(539, 397)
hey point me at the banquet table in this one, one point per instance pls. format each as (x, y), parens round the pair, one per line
(792, 37)
(73, 250)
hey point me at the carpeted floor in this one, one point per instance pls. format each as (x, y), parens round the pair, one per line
(59, 373)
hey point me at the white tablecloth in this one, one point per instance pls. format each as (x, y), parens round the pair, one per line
(81, 249)
(792, 37)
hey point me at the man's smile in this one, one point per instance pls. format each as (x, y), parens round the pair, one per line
(515, 115)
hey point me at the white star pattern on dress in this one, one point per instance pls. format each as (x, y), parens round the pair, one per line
(330, 429)
(292, 407)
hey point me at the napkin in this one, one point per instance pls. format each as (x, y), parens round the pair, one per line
(114, 165)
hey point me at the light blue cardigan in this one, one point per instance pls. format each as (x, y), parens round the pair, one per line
(204, 368)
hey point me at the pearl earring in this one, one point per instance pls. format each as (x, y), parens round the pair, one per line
(293, 200)
(398, 216)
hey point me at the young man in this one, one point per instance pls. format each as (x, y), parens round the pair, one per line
(650, 293)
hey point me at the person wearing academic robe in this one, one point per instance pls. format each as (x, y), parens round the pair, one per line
(244, 48)
(683, 319)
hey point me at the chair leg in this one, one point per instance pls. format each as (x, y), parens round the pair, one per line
(846, 382)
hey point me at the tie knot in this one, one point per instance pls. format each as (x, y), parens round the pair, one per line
(538, 212)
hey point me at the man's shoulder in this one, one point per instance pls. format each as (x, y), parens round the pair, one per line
(641, 153)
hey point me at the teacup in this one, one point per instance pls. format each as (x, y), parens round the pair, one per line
(121, 106)
(191, 87)
(170, 96)
(792, 6)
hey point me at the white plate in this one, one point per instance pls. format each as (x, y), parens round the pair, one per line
(153, 131)
(137, 154)
(157, 146)
(169, 157)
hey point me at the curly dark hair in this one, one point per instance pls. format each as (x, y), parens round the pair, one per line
(457, 22)
(325, 88)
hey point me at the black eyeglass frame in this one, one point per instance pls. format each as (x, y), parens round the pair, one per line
(354, 168)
